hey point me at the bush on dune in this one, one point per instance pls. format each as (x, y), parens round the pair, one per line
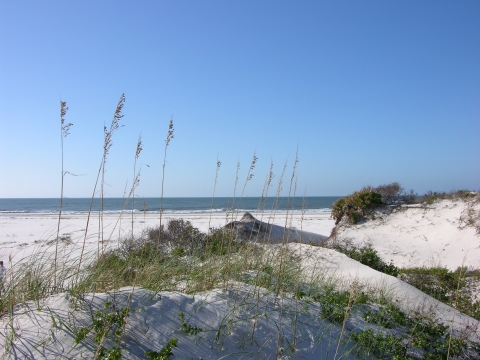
(361, 203)
(356, 205)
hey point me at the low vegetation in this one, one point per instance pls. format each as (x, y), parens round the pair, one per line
(174, 262)
(430, 196)
(454, 288)
(366, 255)
(420, 338)
(450, 287)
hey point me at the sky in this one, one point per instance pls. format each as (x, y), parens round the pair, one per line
(365, 92)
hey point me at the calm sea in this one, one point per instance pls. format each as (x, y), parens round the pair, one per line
(169, 205)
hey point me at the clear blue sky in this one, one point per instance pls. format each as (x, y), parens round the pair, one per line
(371, 92)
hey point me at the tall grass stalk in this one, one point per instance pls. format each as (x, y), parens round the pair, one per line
(249, 177)
(286, 237)
(276, 203)
(235, 189)
(64, 128)
(124, 202)
(456, 302)
(214, 187)
(137, 154)
(114, 125)
(256, 288)
(135, 184)
(106, 147)
(297, 283)
(167, 142)
(285, 240)
(347, 314)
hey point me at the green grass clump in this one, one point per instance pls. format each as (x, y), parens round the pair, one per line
(366, 255)
(369, 256)
(334, 303)
(422, 337)
(356, 205)
(387, 316)
(442, 284)
(163, 354)
(180, 258)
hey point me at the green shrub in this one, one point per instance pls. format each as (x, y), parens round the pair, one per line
(189, 329)
(439, 282)
(177, 233)
(356, 205)
(430, 196)
(334, 303)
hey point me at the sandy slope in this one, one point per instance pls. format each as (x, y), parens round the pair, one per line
(155, 320)
(417, 236)
(325, 263)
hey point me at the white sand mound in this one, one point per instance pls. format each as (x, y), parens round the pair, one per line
(229, 325)
(415, 236)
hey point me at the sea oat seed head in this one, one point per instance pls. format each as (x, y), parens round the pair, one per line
(170, 133)
(63, 112)
(139, 147)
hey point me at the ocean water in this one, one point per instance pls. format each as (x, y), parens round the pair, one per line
(169, 205)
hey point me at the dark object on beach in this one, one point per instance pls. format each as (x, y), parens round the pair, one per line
(250, 229)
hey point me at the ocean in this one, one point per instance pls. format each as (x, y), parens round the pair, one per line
(169, 205)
